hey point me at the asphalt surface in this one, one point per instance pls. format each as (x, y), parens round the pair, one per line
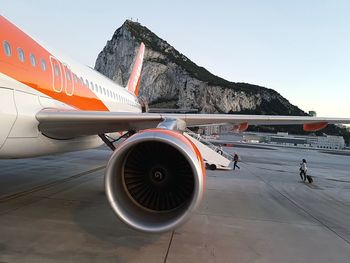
(53, 209)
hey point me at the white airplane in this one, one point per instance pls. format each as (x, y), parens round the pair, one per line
(50, 104)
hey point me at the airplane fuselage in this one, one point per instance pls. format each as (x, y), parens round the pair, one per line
(32, 78)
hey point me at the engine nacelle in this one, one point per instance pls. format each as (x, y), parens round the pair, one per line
(155, 179)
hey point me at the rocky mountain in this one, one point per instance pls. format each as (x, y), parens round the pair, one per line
(171, 80)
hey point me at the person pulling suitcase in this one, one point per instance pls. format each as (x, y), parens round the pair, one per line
(303, 170)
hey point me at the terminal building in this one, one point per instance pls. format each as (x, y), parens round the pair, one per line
(281, 138)
(320, 142)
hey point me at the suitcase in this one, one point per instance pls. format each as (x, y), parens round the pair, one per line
(309, 178)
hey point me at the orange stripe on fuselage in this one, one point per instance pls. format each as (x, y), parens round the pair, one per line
(80, 97)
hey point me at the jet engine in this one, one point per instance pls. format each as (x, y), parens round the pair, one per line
(155, 179)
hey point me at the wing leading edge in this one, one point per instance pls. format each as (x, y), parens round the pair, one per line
(67, 124)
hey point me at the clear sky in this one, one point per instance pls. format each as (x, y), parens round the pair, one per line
(299, 48)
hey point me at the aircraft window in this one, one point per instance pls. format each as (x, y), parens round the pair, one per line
(57, 70)
(32, 60)
(108, 93)
(20, 54)
(75, 78)
(7, 48)
(96, 87)
(92, 85)
(43, 64)
(100, 89)
(87, 83)
(82, 81)
(104, 90)
(68, 75)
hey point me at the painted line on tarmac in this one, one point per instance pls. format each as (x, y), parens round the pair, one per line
(170, 242)
(9, 197)
(297, 205)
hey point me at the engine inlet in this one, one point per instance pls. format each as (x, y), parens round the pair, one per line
(158, 177)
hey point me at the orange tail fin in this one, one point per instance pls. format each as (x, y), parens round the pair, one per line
(134, 80)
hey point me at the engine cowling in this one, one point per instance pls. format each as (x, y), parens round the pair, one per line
(155, 180)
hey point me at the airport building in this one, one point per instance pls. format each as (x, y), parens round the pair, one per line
(321, 142)
(281, 138)
(212, 129)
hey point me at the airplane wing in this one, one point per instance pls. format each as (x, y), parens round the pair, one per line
(68, 124)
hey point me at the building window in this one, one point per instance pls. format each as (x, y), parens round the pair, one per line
(32, 60)
(7, 48)
(20, 54)
(43, 64)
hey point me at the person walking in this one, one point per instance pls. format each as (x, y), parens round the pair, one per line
(235, 161)
(303, 169)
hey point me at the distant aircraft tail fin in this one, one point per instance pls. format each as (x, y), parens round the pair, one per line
(135, 78)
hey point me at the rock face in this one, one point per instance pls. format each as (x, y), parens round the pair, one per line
(171, 80)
